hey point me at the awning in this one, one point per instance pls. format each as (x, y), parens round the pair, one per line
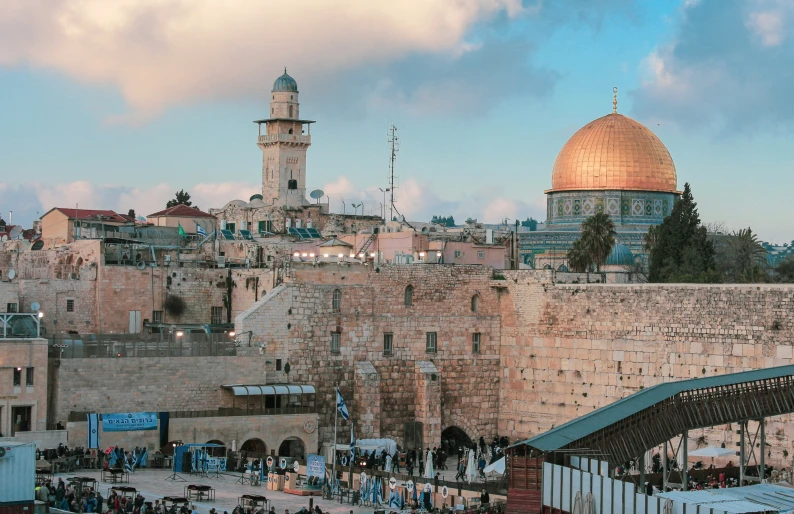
(269, 389)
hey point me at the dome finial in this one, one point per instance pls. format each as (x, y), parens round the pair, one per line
(285, 70)
(615, 100)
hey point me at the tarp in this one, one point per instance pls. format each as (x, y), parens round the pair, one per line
(712, 451)
(498, 467)
(376, 444)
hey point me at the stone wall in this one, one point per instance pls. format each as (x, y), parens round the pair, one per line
(23, 353)
(153, 384)
(569, 349)
(296, 320)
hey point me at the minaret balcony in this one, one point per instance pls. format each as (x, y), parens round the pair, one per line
(285, 138)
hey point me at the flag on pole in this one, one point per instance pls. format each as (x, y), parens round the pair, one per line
(352, 444)
(181, 231)
(341, 406)
(93, 431)
(200, 230)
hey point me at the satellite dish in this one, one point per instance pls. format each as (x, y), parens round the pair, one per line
(317, 194)
(35, 306)
(11, 274)
(38, 245)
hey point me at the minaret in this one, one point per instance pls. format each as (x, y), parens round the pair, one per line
(284, 145)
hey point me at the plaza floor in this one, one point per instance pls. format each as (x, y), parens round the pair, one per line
(152, 484)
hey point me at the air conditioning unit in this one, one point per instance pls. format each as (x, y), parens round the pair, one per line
(221, 261)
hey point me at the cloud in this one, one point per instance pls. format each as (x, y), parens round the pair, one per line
(31, 200)
(418, 201)
(161, 53)
(728, 67)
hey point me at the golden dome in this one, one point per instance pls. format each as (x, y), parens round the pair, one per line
(616, 153)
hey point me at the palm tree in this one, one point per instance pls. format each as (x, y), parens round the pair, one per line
(749, 254)
(598, 238)
(578, 259)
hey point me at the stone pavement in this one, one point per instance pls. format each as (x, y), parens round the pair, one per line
(152, 484)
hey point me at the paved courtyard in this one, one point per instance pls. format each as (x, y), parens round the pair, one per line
(152, 484)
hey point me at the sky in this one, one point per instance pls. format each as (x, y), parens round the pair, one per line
(117, 105)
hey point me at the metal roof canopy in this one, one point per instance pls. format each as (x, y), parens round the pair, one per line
(628, 427)
(269, 389)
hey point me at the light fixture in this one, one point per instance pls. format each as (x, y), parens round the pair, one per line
(341, 256)
(325, 255)
(179, 333)
(361, 254)
(438, 254)
(311, 255)
(352, 255)
(19, 369)
(40, 314)
(372, 254)
(232, 333)
(296, 254)
(421, 254)
(305, 254)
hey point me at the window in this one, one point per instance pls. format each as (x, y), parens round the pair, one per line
(431, 345)
(475, 342)
(481, 254)
(29, 376)
(17, 376)
(336, 339)
(475, 303)
(265, 226)
(290, 114)
(290, 131)
(292, 184)
(70, 305)
(409, 296)
(11, 307)
(278, 364)
(336, 302)
(216, 315)
(157, 317)
(231, 227)
(388, 343)
(458, 254)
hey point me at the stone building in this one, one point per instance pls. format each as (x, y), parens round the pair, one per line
(613, 165)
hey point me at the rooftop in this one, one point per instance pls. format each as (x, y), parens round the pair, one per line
(90, 214)
(182, 211)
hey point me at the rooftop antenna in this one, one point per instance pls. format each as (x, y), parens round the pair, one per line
(394, 143)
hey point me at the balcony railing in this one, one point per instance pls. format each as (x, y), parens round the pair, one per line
(19, 325)
(286, 138)
(76, 416)
(113, 346)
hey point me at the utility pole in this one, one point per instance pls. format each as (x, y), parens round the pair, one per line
(394, 143)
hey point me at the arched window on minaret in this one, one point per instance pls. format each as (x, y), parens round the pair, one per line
(290, 111)
(290, 131)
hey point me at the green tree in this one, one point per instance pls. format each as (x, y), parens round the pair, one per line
(531, 223)
(598, 238)
(131, 213)
(749, 256)
(181, 197)
(578, 258)
(784, 271)
(682, 251)
(447, 221)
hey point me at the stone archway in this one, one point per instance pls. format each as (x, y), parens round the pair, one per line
(292, 447)
(254, 446)
(454, 438)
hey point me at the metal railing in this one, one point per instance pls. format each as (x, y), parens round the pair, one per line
(222, 412)
(112, 346)
(19, 325)
(289, 138)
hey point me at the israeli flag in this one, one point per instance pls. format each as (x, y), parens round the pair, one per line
(341, 406)
(200, 230)
(93, 431)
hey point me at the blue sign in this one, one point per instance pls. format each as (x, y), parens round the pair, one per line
(129, 421)
(315, 466)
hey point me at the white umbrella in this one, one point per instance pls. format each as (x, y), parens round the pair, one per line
(712, 451)
(498, 466)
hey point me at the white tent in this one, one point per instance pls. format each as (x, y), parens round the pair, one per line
(498, 467)
(712, 451)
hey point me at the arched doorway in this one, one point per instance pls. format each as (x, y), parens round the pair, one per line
(255, 446)
(292, 447)
(453, 439)
(217, 452)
